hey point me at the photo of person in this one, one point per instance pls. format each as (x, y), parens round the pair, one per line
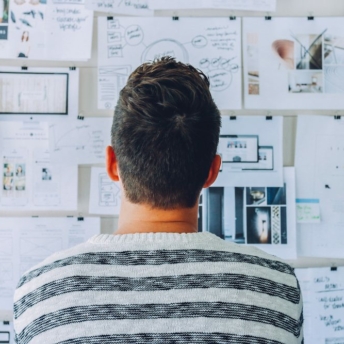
(20, 182)
(46, 174)
(8, 177)
(4, 5)
(25, 45)
(258, 225)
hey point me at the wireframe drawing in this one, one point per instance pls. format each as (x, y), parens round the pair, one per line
(109, 192)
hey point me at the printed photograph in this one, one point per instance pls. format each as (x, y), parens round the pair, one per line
(46, 174)
(308, 51)
(253, 88)
(8, 170)
(277, 196)
(334, 79)
(333, 49)
(258, 222)
(255, 196)
(305, 82)
(4, 6)
(284, 50)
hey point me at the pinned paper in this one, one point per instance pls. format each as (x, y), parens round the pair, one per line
(307, 210)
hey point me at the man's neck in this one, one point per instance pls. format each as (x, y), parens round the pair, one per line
(136, 218)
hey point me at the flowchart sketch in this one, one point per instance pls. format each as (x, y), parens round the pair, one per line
(251, 149)
(293, 63)
(243, 5)
(319, 162)
(132, 7)
(34, 240)
(105, 194)
(80, 141)
(212, 45)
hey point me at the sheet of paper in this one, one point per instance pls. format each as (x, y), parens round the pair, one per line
(249, 5)
(80, 141)
(25, 242)
(307, 210)
(50, 92)
(29, 181)
(48, 30)
(319, 162)
(6, 332)
(132, 7)
(293, 63)
(323, 295)
(245, 139)
(260, 216)
(210, 44)
(105, 195)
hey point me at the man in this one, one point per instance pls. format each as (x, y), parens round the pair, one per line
(157, 280)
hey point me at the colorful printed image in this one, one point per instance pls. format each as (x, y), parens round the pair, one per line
(4, 5)
(305, 82)
(46, 174)
(308, 51)
(20, 180)
(258, 225)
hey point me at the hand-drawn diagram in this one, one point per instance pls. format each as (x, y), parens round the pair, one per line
(83, 141)
(40, 246)
(6, 245)
(108, 191)
(212, 45)
(303, 68)
(105, 194)
(6, 271)
(132, 7)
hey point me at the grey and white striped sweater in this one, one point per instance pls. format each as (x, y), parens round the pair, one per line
(159, 288)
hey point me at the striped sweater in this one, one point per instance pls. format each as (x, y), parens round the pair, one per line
(159, 288)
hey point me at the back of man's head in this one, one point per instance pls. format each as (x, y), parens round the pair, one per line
(165, 134)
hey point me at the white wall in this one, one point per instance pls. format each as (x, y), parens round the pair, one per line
(88, 102)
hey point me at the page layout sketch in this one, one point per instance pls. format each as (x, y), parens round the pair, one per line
(319, 162)
(251, 151)
(293, 63)
(261, 216)
(27, 241)
(29, 181)
(105, 194)
(210, 44)
(80, 141)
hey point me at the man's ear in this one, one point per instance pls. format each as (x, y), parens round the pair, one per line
(111, 164)
(213, 172)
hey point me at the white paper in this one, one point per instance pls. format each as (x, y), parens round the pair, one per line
(6, 332)
(105, 194)
(25, 242)
(132, 7)
(238, 139)
(210, 44)
(80, 141)
(319, 162)
(250, 5)
(29, 181)
(307, 211)
(48, 30)
(36, 92)
(323, 295)
(260, 216)
(293, 63)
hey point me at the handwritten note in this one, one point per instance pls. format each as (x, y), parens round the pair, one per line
(307, 211)
(129, 7)
(323, 294)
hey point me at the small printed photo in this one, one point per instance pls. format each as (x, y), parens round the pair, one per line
(333, 49)
(4, 6)
(305, 82)
(308, 51)
(258, 225)
(20, 183)
(8, 170)
(20, 170)
(277, 196)
(334, 79)
(262, 156)
(8, 183)
(46, 174)
(284, 50)
(255, 196)
(253, 89)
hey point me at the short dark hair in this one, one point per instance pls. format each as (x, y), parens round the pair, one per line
(165, 134)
